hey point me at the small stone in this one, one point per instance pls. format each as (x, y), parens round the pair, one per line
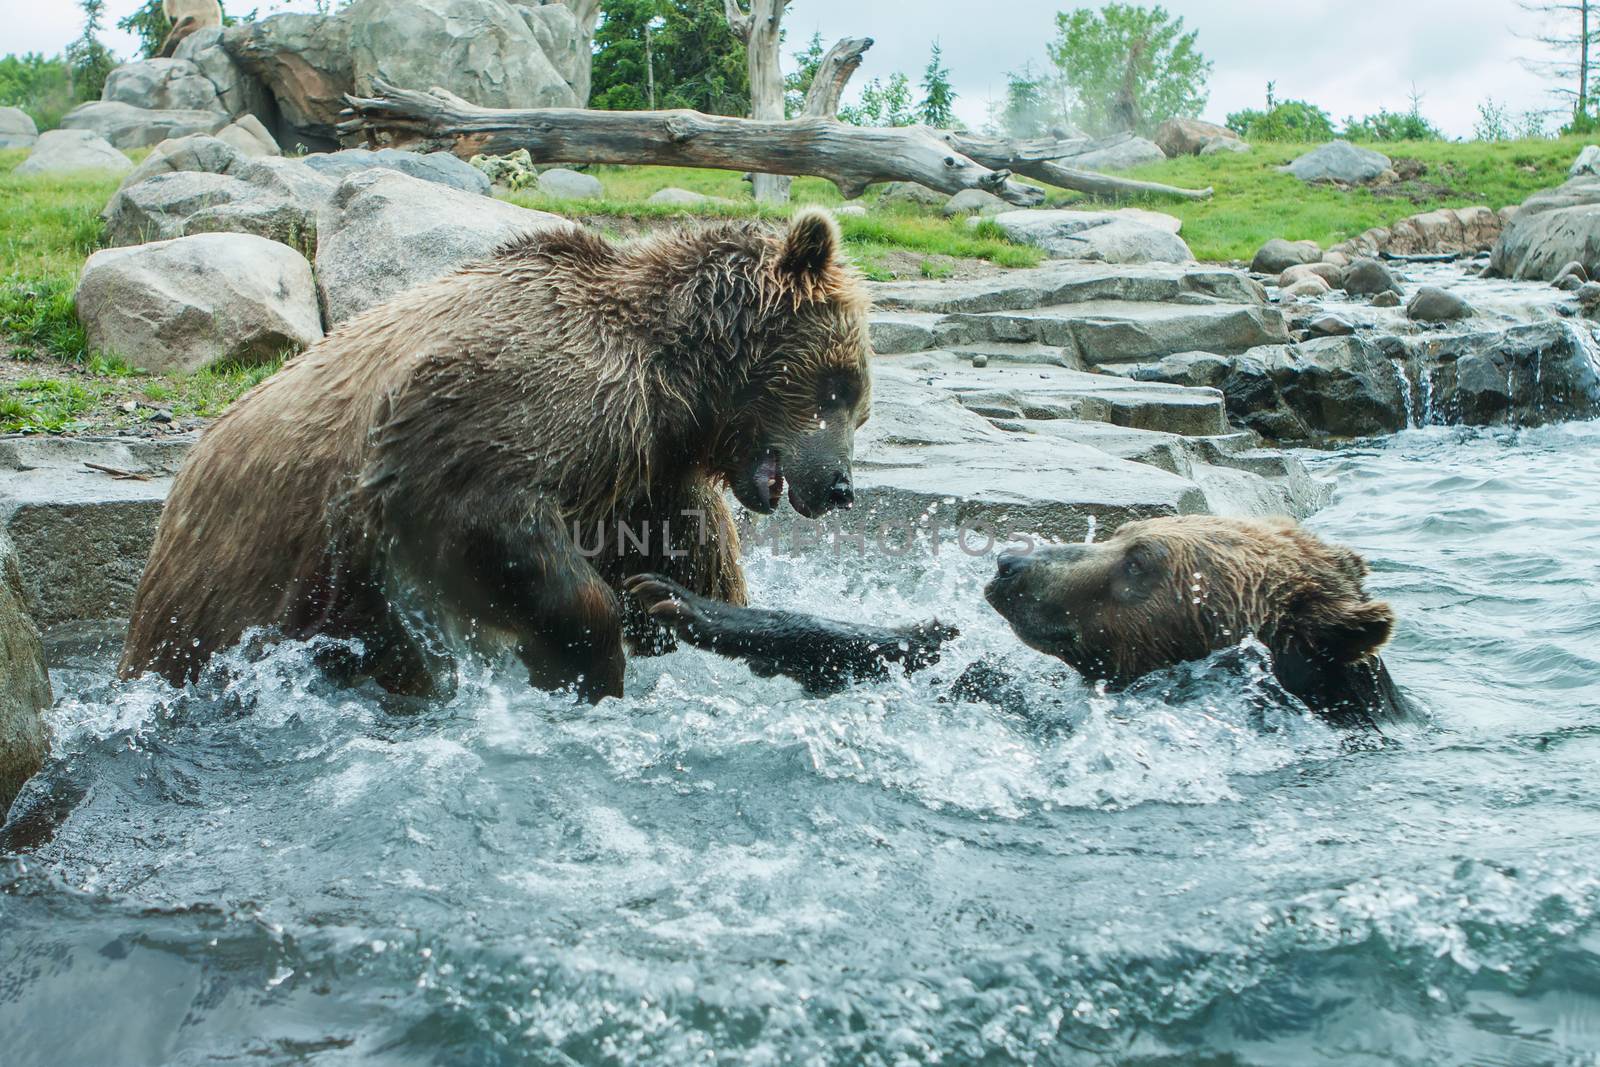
(1432, 304)
(1573, 270)
(1386, 299)
(1589, 294)
(1308, 286)
(1366, 277)
(570, 184)
(853, 210)
(1329, 326)
(1568, 283)
(1278, 255)
(980, 360)
(160, 416)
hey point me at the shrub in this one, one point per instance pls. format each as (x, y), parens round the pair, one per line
(1389, 125)
(1287, 120)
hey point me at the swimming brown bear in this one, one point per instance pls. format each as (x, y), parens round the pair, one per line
(1157, 593)
(480, 461)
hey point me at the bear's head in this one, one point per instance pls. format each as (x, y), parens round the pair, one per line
(784, 316)
(1163, 591)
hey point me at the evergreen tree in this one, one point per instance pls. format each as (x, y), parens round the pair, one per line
(798, 84)
(90, 60)
(938, 98)
(687, 47)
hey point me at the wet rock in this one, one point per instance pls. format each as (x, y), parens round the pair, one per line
(73, 151)
(163, 84)
(24, 685)
(570, 184)
(1278, 255)
(1464, 230)
(1574, 272)
(1588, 295)
(1386, 299)
(1551, 229)
(1124, 155)
(184, 304)
(1329, 326)
(1308, 286)
(16, 128)
(1339, 161)
(1328, 272)
(1526, 375)
(1191, 137)
(1127, 236)
(1432, 304)
(441, 167)
(384, 232)
(975, 202)
(82, 535)
(1368, 277)
(1072, 282)
(127, 126)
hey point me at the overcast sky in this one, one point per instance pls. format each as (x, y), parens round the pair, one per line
(1350, 57)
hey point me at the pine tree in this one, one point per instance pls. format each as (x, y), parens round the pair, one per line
(938, 99)
(90, 60)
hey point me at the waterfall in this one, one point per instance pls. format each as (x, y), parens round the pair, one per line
(1407, 400)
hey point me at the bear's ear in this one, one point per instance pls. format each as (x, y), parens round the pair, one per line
(810, 246)
(1356, 628)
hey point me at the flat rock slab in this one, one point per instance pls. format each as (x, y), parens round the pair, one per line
(82, 534)
(1130, 235)
(1115, 331)
(1068, 283)
(127, 126)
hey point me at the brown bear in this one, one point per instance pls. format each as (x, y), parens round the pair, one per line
(479, 462)
(1157, 593)
(187, 17)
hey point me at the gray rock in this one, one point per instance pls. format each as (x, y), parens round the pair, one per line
(184, 304)
(1551, 229)
(570, 184)
(1278, 255)
(1339, 161)
(1572, 270)
(1526, 375)
(127, 126)
(1588, 162)
(1124, 155)
(70, 151)
(853, 210)
(1328, 272)
(1386, 299)
(237, 92)
(440, 167)
(684, 198)
(81, 535)
(1221, 145)
(163, 85)
(1310, 285)
(1127, 236)
(24, 685)
(203, 185)
(910, 193)
(384, 232)
(16, 128)
(555, 28)
(1098, 333)
(1368, 277)
(1432, 304)
(1329, 326)
(1190, 137)
(1588, 295)
(483, 50)
(302, 64)
(975, 202)
(249, 137)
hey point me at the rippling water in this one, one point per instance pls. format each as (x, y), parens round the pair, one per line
(720, 869)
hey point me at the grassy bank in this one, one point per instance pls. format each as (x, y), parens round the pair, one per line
(50, 381)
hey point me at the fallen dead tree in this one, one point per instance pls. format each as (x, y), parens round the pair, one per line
(1048, 160)
(852, 157)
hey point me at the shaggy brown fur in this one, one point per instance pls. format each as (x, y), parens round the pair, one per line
(186, 17)
(1164, 591)
(415, 479)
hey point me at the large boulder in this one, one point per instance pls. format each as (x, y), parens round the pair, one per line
(72, 151)
(16, 128)
(1124, 155)
(1433, 304)
(238, 93)
(385, 232)
(202, 184)
(1190, 137)
(184, 304)
(483, 50)
(1588, 162)
(24, 685)
(1368, 277)
(303, 61)
(1339, 161)
(162, 84)
(127, 126)
(1551, 229)
(1278, 255)
(975, 202)
(1464, 230)
(247, 135)
(441, 167)
(568, 184)
(1126, 236)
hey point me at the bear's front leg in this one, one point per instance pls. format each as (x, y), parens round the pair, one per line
(824, 655)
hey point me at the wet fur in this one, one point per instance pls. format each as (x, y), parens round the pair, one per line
(413, 479)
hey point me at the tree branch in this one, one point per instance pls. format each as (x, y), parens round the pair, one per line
(739, 22)
(835, 69)
(1037, 160)
(852, 157)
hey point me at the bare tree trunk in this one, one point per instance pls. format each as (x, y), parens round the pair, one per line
(1040, 160)
(761, 29)
(822, 99)
(1583, 59)
(852, 157)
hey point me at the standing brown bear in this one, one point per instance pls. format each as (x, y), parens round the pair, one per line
(480, 461)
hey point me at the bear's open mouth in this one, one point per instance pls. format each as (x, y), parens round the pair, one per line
(769, 479)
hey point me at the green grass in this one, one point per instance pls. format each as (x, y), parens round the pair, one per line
(1253, 202)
